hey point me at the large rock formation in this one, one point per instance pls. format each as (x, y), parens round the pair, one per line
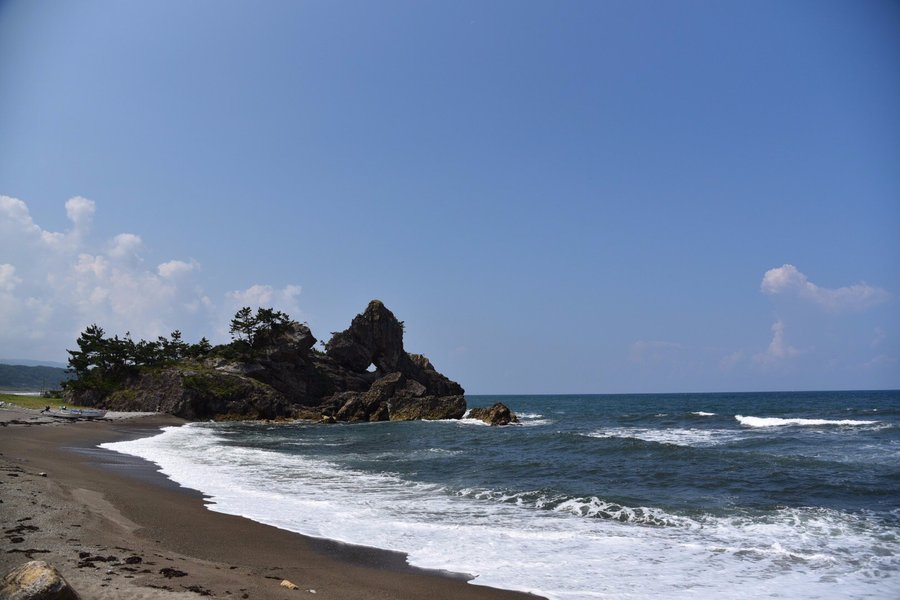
(365, 374)
(36, 580)
(405, 387)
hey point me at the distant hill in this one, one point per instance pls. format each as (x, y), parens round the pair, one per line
(27, 362)
(23, 378)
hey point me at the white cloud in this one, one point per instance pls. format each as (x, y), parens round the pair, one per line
(125, 246)
(80, 211)
(778, 350)
(175, 268)
(52, 285)
(787, 279)
(15, 213)
(89, 264)
(8, 279)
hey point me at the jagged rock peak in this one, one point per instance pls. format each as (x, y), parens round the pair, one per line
(375, 336)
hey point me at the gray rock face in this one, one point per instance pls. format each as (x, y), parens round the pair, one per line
(36, 580)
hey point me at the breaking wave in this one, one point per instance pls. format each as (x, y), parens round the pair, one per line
(590, 507)
(779, 422)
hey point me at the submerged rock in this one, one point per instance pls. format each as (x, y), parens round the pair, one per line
(498, 414)
(36, 580)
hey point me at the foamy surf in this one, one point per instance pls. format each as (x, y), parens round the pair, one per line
(778, 422)
(697, 438)
(578, 510)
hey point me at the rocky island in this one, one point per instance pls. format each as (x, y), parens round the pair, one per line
(271, 370)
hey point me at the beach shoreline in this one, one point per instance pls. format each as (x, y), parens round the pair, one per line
(114, 526)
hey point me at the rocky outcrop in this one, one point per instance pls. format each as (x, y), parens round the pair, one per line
(498, 414)
(395, 397)
(36, 580)
(427, 408)
(365, 374)
(197, 394)
(405, 386)
(285, 361)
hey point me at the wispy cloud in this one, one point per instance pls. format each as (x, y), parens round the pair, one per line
(779, 350)
(787, 279)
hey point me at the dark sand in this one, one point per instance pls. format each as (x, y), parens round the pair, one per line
(95, 504)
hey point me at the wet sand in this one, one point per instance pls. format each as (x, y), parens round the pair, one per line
(116, 528)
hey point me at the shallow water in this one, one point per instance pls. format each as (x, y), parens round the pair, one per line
(787, 495)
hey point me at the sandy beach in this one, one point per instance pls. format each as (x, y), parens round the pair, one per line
(116, 528)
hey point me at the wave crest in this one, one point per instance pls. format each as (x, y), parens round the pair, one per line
(779, 422)
(588, 507)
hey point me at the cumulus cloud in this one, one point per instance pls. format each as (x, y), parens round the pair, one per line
(15, 213)
(778, 349)
(787, 279)
(125, 246)
(53, 284)
(80, 211)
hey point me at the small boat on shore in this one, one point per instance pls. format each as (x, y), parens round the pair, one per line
(77, 413)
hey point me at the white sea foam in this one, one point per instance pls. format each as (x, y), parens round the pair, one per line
(778, 422)
(700, 413)
(525, 415)
(536, 422)
(561, 548)
(528, 419)
(675, 436)
(464, 421)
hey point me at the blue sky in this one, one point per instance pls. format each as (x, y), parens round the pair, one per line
(565, 197)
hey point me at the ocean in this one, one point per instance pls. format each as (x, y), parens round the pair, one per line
(751, 495)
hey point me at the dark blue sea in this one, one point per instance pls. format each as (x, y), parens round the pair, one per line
(780, 495)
